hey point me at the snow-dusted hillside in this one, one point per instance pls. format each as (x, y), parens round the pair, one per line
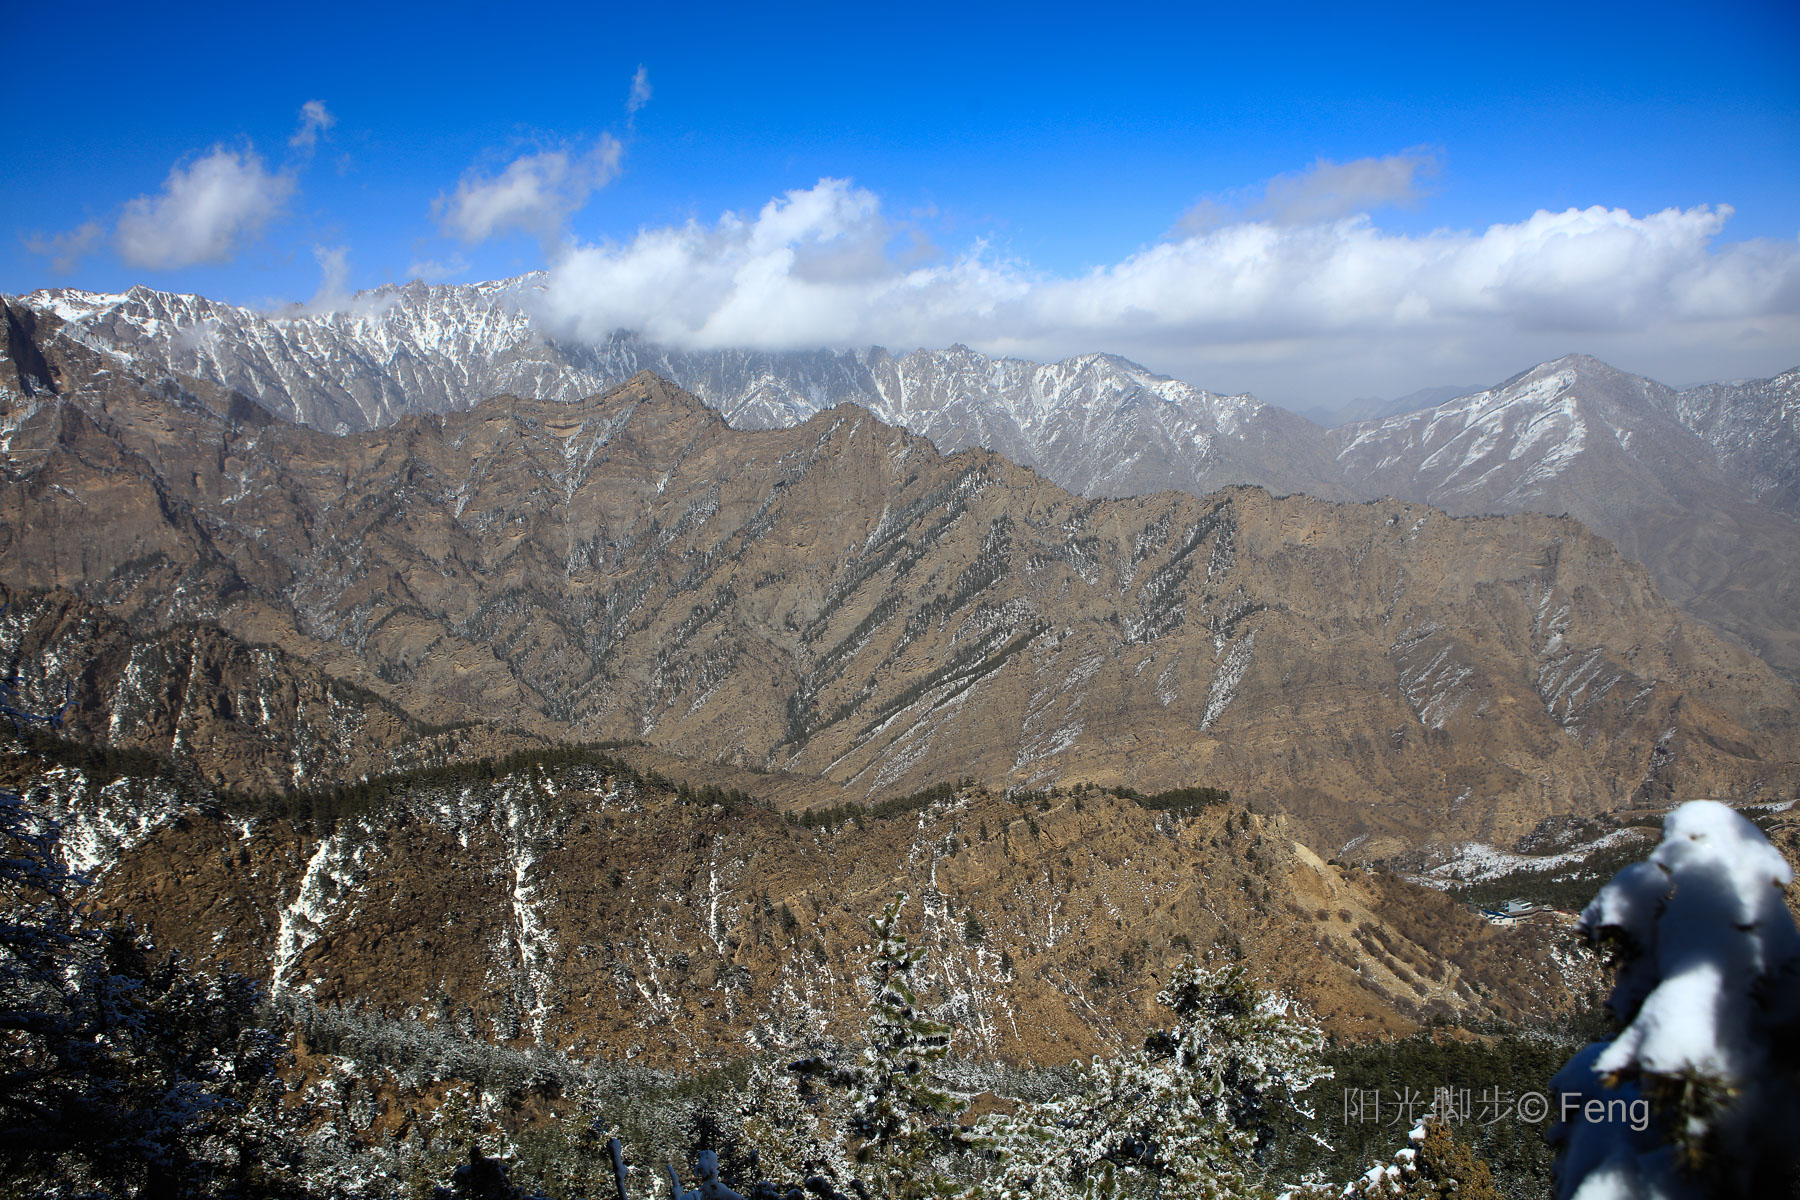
(1754, 429)
(1544, 437)
(1498, 448)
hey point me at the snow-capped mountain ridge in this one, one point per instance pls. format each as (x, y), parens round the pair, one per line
(391, 351)
(1096, 422)
(1514, 439)
(1700, 500)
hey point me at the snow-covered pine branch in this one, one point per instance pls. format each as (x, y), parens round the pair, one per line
(1698, 1095)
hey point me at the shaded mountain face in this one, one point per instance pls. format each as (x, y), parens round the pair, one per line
(839, 599)
(1685, 482)
(254, 717)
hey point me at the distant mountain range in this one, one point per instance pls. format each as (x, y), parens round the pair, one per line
(837, 599)
(1702, 485)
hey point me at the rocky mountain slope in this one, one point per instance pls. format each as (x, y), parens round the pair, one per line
(252, 717)
(1754, 430)
(1698, 485)
(579, 905)
(841, 600)
(1611, 449)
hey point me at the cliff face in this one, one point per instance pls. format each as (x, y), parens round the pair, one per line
(840, 600)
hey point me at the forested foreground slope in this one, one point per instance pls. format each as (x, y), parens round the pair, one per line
(571, 899)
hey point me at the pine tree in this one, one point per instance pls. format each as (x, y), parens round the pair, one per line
(1186, 1115)
(771, 1119)
(974, 932)
(1448, 1167)
(899, 1118)
(1435, 1165)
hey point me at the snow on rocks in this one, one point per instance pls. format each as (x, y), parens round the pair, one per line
(1225, 682)
(1478, 862)
(331, 876)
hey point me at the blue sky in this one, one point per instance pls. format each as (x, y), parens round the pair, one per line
(1222, 194)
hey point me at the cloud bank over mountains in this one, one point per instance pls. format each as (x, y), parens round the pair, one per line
(1288, 291)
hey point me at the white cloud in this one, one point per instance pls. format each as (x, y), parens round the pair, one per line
(809, 269)
(640, 90)
(433, 270)
(1318, 306)
(1325, 191)
(66, 250)
(334, 278)
(315, 119)
(202, 336)
(206, 211)
(1328, 190)
(535, 193)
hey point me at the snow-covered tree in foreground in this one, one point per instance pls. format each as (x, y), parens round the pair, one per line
(1699, 1093)
(901, 1120)
(1185, 1115)
(790, 1138)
